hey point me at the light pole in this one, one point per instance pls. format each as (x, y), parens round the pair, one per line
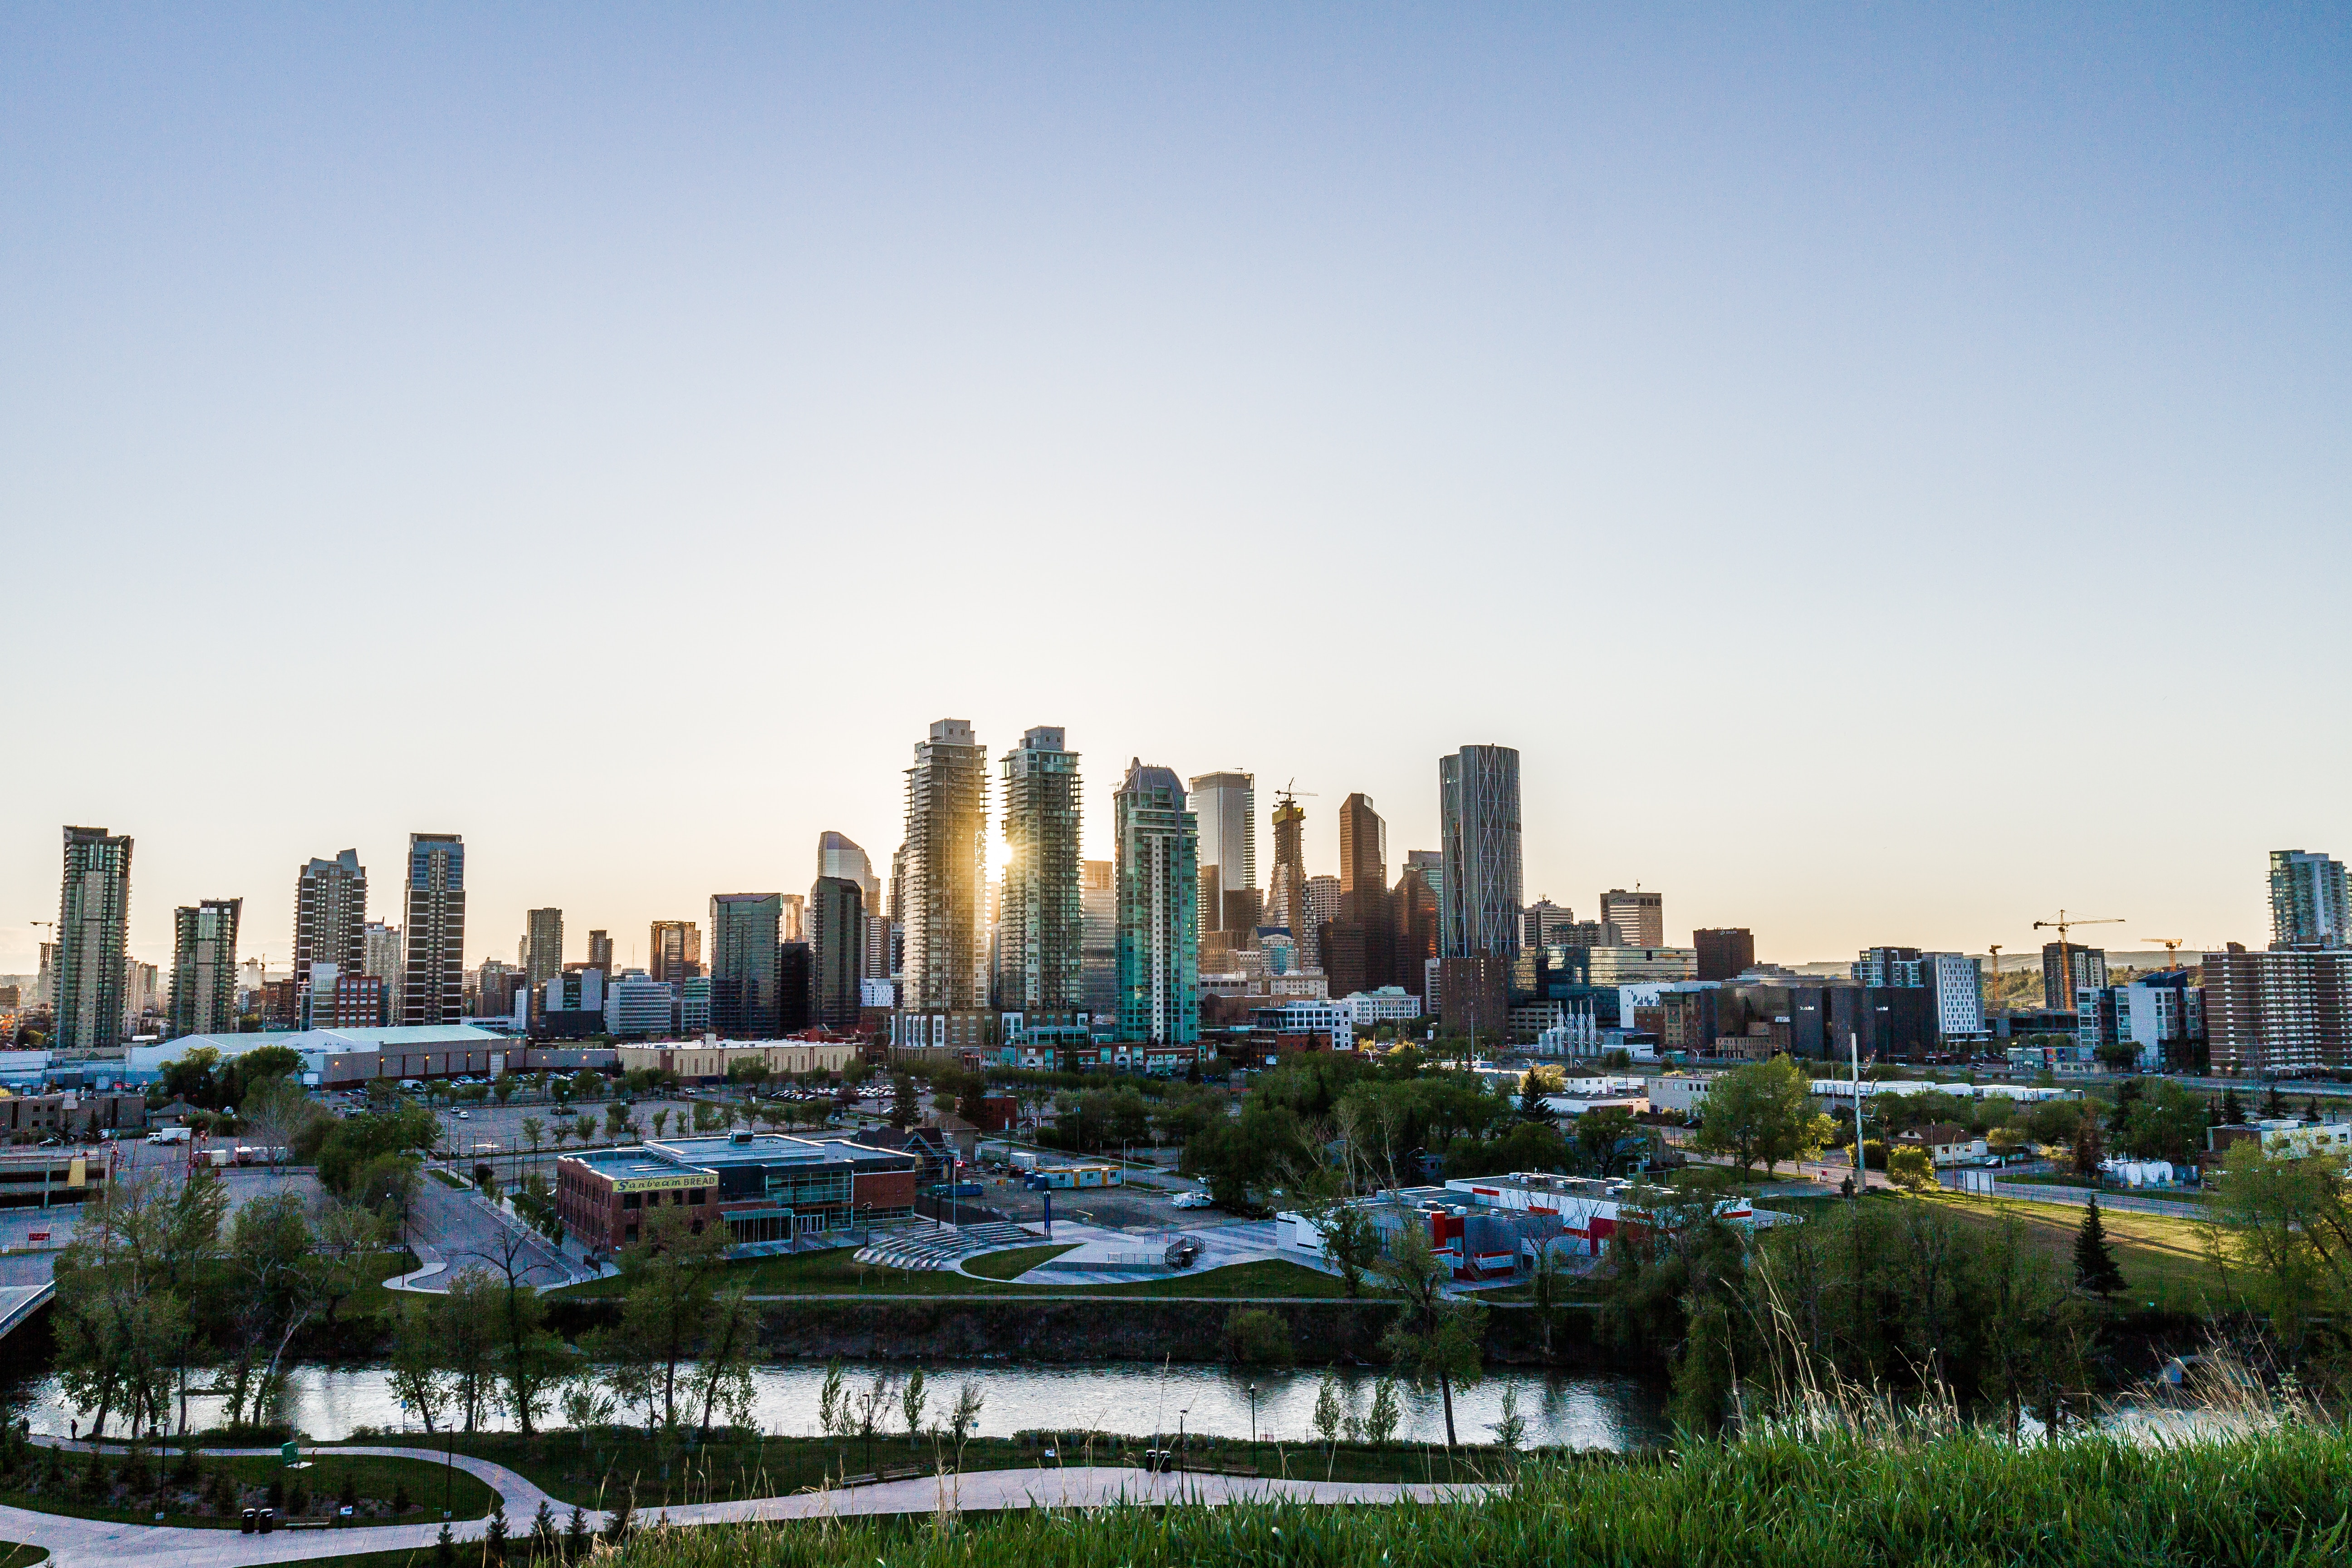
(1252, 1399)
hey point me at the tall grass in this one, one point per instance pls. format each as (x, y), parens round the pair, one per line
(1777, 1498)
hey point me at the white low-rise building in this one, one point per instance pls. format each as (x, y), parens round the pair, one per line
(1389, 1005)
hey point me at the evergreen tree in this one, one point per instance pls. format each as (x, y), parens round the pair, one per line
(623, 1519)
(2095, 1262)
(576, 1535)
(444, 1549)
(545, 1545)
(2272, 1106)
(494, 1538)
(2232, 1113)
(1531, 1100)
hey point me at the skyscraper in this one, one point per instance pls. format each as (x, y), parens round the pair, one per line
(329, 917)
(433, 987)
(796, 918)
(2089, 966)
(743, 962)
(380, 955)
(839, 856)
(1322, 903)
(1159, 932)
(203, 967)
(837, 937)
(1541, 923)
(1479, 816)
(1041, 917)
(1416, 924)
(600, 950)
(1431, 864)
(1287, 893)
(93, 912)
(1360, 953)
(1724, 952)
(1099, 944)
(2308, 906)
(1226, 805)
(675, 951)
(1640, 918)
(946, 900)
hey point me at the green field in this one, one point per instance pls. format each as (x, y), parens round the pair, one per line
(2165, 1258)
(375, 1480)
(837, 1272)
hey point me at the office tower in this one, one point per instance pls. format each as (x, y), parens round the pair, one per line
(600, 950)
(1041, 917)
(839, 856)
(837, 941)
(543, 947)
(795, 917)
(329, 917)
(1541, 923)
(1098, 940)
(743, 942)
(1479, 816)
(1416, 927)
(1363, 845)
(432, 982)
(1226, 805)
(1724, 952)
(1431, 864)
(93, 912)
(1640, 918)
(2307, 901)
(2089, 966)
(945, 907)
(382, 956)
(203, 967)
(795, 986)
(676, 947)
(1159, 878)
(1322, 902)
(1359, 949)
(495, 985)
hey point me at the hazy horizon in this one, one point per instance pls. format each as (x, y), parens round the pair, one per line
(615, 436)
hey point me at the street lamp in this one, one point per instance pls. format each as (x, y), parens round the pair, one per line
(1252, 1399)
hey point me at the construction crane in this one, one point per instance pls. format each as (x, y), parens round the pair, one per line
(1286, 793)
(2171, 945)
(2066, 949)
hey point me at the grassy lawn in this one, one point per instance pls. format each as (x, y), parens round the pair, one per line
(599, 1470)
(836, 1272)
(377, 1482)
(2163, 1256)
(1014, 1264)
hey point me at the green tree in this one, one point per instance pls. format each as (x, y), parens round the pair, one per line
(668, 1291)
(1599, 1133)
(2094, 1261)
(2166, 1121)
(1352, 1243)
(2286, 1227)
(419, 1379)
(2233, 1113)
(1911, 1168)
(906, 1108)
(1438, 1336)
(1762, 1112)
(1532, 1100)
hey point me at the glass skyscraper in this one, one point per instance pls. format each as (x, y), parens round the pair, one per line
(1158, 890)
(1041, 921)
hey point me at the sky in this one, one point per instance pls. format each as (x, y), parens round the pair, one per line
(1886, 468)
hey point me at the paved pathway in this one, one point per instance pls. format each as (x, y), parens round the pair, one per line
(100, 1543)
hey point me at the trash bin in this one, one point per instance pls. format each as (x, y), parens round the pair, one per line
(246, 1523)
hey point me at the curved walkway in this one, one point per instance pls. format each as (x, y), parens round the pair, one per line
(100, 1543)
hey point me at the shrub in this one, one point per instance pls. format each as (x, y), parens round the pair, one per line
(1911, 1168)
(1256, 1337)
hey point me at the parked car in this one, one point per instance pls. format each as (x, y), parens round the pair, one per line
(1192, 1201)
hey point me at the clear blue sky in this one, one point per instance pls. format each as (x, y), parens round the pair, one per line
(1885, 470)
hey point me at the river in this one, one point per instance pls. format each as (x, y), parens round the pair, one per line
(1578, 1410)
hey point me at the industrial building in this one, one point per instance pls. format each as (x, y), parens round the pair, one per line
(774, 1193)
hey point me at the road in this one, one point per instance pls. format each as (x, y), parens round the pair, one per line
(100, 1543)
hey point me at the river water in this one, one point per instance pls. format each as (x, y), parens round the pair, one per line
(1580, 1410)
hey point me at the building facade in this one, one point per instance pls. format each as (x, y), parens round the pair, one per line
(2279, 1012)
(772, 1192)
(2308, 906)
(1724, 952)
(93, 916)
(1042, 918)
(1478, 816)
(1098, 939)
(433, 978)
(675, 951)
(1226, 805)
(543, 947)
(945, 902)
(203, 967)
(2089, 966)
(331, 916)
(1640, 918)
(1159, 931)
(838, 952)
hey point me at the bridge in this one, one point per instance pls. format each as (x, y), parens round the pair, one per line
(19, 1302)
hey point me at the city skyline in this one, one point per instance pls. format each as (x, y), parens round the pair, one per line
(1867, 355)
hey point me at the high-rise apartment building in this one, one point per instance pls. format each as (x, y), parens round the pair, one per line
(2089, 966)
(945, 910)
(1285, 902)
(600, 950)
(1226, 805)
(2280, 1012)
(381, 954)
(329, 917)
(1724, 952)
(1158, 930)
(1640, 918)
(837, 937)
(1099, 940)
(203, 967)
(2308, 907)
(432, 981)
(543, 947)
(1478, 818)
(676, 947)
(744, 940)
(94, 914)
(1041, 917)
(796, 918)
